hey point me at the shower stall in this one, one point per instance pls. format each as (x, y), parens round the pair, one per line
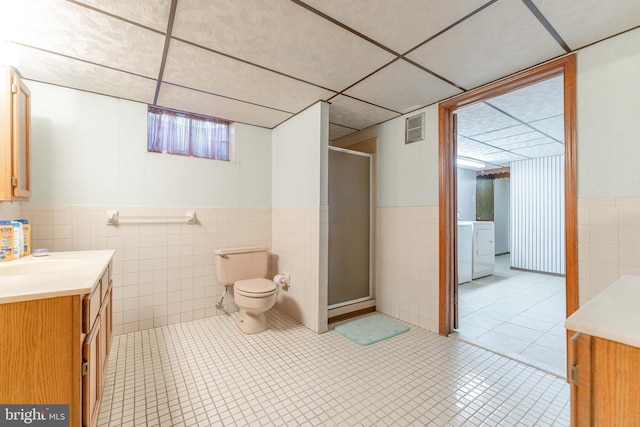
(350, 275)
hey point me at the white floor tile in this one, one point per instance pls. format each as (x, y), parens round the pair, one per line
(207, 373)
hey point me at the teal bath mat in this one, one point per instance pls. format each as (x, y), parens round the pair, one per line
(371, 329)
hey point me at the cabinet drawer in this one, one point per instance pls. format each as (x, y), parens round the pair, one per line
(90, 308)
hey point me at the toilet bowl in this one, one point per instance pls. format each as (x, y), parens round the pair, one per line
(254, 297)
(246, 269)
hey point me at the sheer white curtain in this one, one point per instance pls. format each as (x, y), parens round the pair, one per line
(187, 135)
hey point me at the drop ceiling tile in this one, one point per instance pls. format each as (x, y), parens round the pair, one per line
(357, 114)
(516, 143)
(581, 22)
(73, 30)
(180, 98)
(62, 71)
(504, 141)
(150, 13)
(545, 150)
(501, 158)
(477, 118)
(553, 126)
(281, 36)
(501, 39)
(337, 131)
(198, 68)
(534, 102)
(473, 149)
(402, 87)
(511, 131)
(381, 19)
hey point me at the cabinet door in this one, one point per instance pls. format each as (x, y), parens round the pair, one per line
(579, 356)
(92, 379)
(616, 391)
(21, 167)
(109, 327)
(105, 335)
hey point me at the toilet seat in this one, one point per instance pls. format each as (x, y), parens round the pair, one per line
(255, 288)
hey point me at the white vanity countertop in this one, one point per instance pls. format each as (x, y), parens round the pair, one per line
(613, 314)
(57, 274)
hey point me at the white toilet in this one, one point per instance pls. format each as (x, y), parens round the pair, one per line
(246, 269)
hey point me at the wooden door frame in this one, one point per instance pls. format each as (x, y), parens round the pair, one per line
(565, 66)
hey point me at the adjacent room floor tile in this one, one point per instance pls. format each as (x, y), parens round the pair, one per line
(521, 313)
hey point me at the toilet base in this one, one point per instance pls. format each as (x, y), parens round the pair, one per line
(252, 323)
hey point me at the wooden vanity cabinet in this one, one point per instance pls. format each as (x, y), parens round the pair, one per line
(95, 351)
(603, 374)
(55, 351)
(15, 137)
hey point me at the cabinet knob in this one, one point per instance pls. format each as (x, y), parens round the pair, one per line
(14, 181)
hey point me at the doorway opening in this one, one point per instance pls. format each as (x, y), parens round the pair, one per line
(450, 296)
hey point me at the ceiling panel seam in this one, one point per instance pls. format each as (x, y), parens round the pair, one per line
(111, 15)
(344, 27)
(498, 150)
(459, 21)
(370, 103)
(167, 40)
(253, 64)
(235, 99)
(415, 64)
(365, 77)
(520, 121)
(84, 90)
(381, 46)
(546, 24)
(74, 58)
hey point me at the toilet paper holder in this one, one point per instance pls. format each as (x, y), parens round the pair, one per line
(282, 279)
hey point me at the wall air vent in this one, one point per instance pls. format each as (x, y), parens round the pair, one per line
(414, 128)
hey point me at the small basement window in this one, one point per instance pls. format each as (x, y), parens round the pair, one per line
(187, 134)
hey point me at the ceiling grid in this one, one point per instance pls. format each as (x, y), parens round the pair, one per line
(261, 62)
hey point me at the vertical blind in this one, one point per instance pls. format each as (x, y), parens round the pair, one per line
(537, 215)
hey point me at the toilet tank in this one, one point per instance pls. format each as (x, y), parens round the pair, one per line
(241, 263)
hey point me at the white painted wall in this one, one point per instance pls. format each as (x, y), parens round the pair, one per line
(406, 173)
(608, 110)
(407, 228)
(466, 195)
(608, 149)
(297, 158)
(92, 149)
(300, 214)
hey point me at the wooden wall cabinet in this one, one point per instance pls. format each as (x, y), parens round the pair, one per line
(15, 137)
(605, 390)
(55, 350)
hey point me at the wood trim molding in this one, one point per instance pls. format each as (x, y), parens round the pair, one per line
(566, 66)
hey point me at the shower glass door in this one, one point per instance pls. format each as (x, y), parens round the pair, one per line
(349, 227)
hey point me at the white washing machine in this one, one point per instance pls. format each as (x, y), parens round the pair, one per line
(465, 251)
(484, 248)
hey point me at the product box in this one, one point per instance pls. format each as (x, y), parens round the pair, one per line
(26, 229)
(6, 241)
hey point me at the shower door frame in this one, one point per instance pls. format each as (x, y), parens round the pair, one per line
(371, 231)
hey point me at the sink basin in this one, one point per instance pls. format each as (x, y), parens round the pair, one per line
(39, 266)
